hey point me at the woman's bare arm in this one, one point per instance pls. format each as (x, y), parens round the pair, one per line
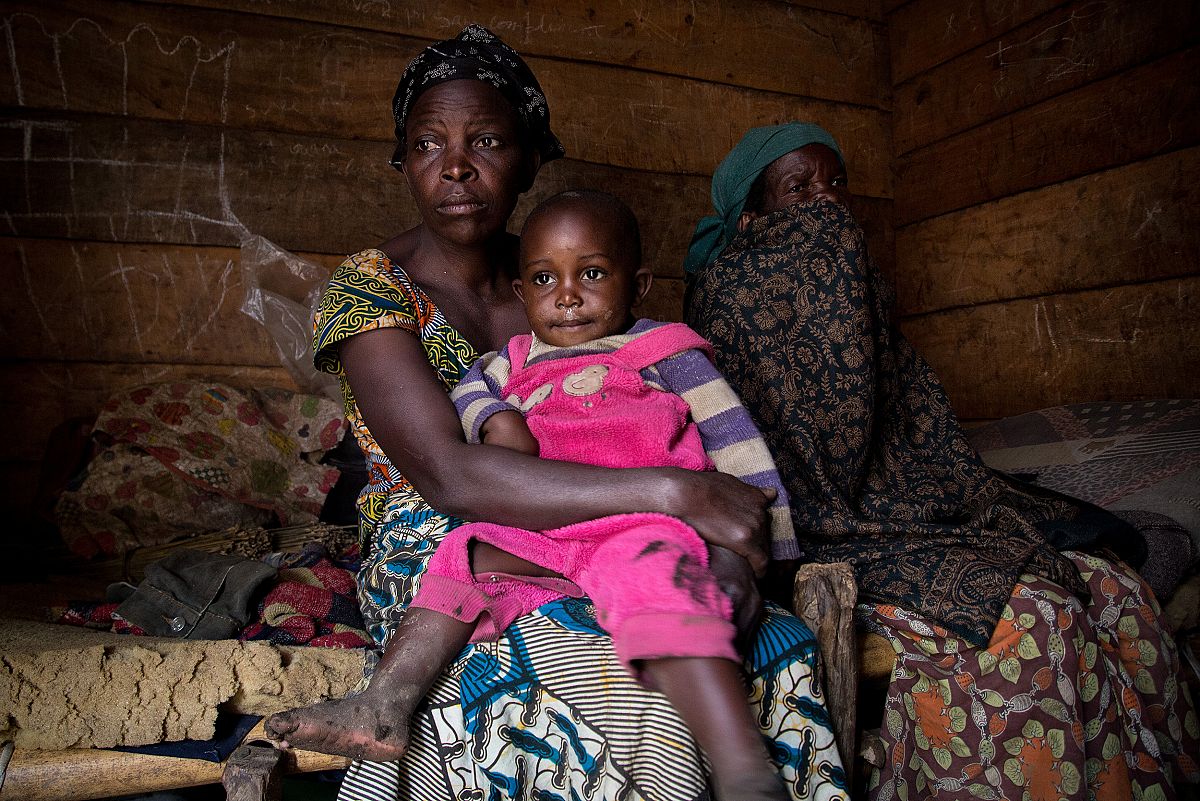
(411, 417)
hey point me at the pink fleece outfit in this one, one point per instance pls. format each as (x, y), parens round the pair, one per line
(646, 573)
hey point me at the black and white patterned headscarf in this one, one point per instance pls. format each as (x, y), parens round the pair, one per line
(478, 54)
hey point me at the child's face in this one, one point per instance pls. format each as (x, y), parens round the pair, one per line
(578, 281)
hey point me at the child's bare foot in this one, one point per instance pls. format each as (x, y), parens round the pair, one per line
(374, 724)
(359, 728)
(762, 784)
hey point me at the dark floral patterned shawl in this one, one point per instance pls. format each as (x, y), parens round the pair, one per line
(873, 457)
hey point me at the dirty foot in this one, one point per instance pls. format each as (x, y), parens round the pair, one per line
(355, 727)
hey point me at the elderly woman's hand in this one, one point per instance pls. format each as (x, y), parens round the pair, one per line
(736, 580)
(727, 513)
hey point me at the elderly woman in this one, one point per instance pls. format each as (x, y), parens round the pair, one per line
(1026, 665)
(547, 711)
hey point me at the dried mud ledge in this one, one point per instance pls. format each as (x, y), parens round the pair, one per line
(66, 687)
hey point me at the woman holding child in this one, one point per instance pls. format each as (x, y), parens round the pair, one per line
(546, 710)
(1027, 665)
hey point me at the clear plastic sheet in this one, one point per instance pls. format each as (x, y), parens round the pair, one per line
(282, 291)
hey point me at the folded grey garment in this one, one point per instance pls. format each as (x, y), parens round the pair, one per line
(1170, 552)
(194, 595)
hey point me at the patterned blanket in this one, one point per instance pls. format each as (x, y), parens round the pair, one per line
(1139, 459)
(1143, 455)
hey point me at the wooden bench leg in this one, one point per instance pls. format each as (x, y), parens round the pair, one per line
(824, 598)
(254, 772)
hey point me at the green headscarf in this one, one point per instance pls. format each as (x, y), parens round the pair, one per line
(734, 177)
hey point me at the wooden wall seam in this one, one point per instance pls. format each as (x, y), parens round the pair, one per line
(861, 9)
(1116, 344)
(924, 34)
(1046, 228)
(131, 170)
(1133, 222)
(1065, 49)
(171, 70)
(917, 317)
(618, 34)
(1097, 126)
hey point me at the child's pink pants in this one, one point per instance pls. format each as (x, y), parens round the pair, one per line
(646, 573)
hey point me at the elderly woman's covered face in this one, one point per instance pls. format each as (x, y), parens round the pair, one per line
(465, 160)
(811, 172)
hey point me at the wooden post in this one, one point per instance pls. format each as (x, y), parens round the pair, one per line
(254, 772)
(824, 598)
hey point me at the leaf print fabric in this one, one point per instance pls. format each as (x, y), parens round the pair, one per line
(1069, 700)
(182, 458)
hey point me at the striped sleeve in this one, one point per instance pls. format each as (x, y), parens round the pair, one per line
(730, 437)
(477, 396)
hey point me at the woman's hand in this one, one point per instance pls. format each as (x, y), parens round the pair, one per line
(727, 513)
(736, 580)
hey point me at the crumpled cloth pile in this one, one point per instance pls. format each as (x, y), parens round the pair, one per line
(303, 598)
(178, 459)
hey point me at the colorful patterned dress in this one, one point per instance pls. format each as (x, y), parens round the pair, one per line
(546, 711)
(1022, 672)
(1069, 699)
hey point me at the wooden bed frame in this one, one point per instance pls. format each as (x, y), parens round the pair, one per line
(254, 771)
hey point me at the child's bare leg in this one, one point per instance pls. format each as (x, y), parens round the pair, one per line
(487, 558)
(374, 724)
(711, 698)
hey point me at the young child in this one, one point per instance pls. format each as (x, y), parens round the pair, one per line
(593, 385)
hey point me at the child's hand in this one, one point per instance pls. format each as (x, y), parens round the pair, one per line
(736, 580)
(508, 430)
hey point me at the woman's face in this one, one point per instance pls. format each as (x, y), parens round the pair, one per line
(808, 173)
(464, 160)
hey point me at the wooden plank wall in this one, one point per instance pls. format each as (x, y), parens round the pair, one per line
(139, 141)
(1047, 205)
